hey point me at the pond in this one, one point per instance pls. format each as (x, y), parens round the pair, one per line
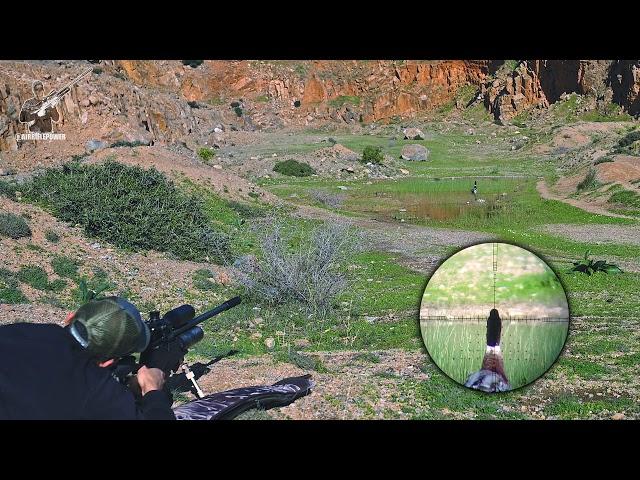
(440, 199)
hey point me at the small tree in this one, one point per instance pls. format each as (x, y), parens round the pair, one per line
(372, 155)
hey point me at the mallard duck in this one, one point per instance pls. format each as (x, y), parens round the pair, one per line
(491, 377)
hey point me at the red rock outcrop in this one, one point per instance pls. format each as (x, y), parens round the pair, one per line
(539, 83)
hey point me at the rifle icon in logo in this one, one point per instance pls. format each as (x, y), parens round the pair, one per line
(40, 112)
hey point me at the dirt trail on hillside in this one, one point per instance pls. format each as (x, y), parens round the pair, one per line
(547, 194)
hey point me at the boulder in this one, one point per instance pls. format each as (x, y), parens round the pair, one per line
(93, 145)
(415, 152)
(413, 134)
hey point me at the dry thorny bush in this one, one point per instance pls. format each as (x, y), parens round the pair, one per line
(309, 268)
(329, 199)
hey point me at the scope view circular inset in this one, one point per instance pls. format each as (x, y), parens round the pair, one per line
(494, 317)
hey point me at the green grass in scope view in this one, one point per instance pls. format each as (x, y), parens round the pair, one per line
(530, 300)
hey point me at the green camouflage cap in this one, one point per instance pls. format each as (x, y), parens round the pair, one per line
(110, 328)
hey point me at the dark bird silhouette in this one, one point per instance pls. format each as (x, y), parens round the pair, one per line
(474, 190)
(491, 377)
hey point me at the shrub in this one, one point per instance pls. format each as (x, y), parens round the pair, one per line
(57, 285)
(9, 290)
(64, 266)
(127, 143)
(372, 155)
(246, 210)
(589, 181)
(193, 104)
(8, 189)
(342, 99)
(205, 154)
(34, 276)
(625, 144)
(328, 199)
(589, 266)
(13, 226)
(51, 236)
(193, 63)
(309, 269)
(131, 208)
(293, 168)
(216, 101)
(238, 111)
(625, 197)
(97, 70)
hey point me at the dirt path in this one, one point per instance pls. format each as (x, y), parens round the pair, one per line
(547, 194)
(604, 234)
(419, 248)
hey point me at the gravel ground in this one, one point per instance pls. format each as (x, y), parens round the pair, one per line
(621, 234)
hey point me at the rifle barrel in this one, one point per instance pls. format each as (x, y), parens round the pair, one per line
(206, 315)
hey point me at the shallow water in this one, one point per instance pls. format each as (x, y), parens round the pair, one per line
(446, 199)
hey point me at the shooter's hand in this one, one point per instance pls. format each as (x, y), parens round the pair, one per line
(150, 379)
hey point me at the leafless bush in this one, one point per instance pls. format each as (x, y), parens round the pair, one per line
(331, 200)
(310, 268)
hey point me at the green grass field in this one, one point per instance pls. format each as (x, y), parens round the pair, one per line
(529, 348)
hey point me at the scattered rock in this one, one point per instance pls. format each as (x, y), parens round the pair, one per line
(342, 187)
(617, 416)
(415, 152)
(413, 134)
(404, 172)
(270, 343)
(93, 145)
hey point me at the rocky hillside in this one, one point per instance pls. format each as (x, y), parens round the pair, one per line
(539, 83)
(195, 102)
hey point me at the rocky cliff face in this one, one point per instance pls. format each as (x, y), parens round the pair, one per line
(539, 83)
(373, 90)
(168, 101)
